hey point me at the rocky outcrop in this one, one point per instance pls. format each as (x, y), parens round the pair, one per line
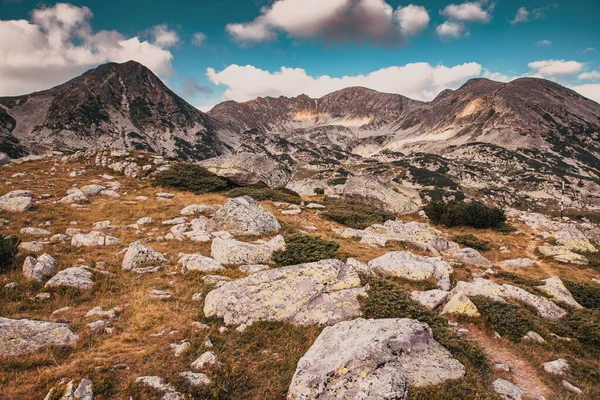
(243, 215)
(322, 292)
(93, 239)
(390, 196)
(231, 251)
(430, 298)
(555, 288)
(16, 201)
(405, 265)
(250, 168)
(573, 239)
(27, 336)
(372, 359)
(562, 254)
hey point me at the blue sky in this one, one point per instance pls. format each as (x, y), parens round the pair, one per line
(323, 45)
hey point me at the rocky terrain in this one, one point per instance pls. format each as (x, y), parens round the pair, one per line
(122, 289)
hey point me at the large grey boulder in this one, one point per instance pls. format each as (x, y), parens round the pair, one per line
(198, 262)
(231, 251)
(371, 360)
(469, 256)
(243, 215)
(27, 336)
(74, 277)
(249, 168)
(573, 239)
(37, 269)
(430, 298)
(390, 196)
(555, 288)
(562, 254)
(138, 256)
(507, 390)
(16, 201)
(322, 292)
(93, 239)
(406, 265)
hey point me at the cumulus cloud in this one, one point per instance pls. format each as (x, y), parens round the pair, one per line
(420, 81)
(467, 12)
(450, 30)
(591, 75)
(333, 20)
(58, 43)
(544, 43)
(557, 69)
(521, 16)
(198, 39)
(540, 13)
(590, 90)
(163, 37)
(191, 87)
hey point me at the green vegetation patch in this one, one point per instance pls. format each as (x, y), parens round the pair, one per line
(458, 213)
(303, 248)
(509, 320)
(9, 247)
(354, 214)
(586, 293)
(265, 193)
(472, 241)
(191, 178)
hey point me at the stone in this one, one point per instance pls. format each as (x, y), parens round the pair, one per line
(231, 251)
(252, 268)
(158, 383)
(389, 196)
(534, 336)
(35, 231)
(37, 269)
(206, 359)
(215, 279)
(243, 215)
(138, 256)
(460, 304)
(194, 209)
(562, 254)
(16, 201)
(518, 263)
(315, 206)
(92, 190)
(557, 367)
(249, 168)
(508, 390)
(322, 292)
(25, 336)
(161, 294)
(74, 196)
(174, 221)
(417, 234)
(93, 239)
(571, 388)
(102, 313)
(96, 325)
(165, 195)
(555, 288)
(307, 187)
(195, 379)
(180, 348)
(372, 359)
(406, 265)
(501, 367)
(4, 159)
(32, 247)
(359, 266)
(74, 277)
(145, 221)
(470, 256)
(430, 298)
(570, 237)
(198, 262)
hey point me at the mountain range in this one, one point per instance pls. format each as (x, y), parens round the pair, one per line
(518, 134)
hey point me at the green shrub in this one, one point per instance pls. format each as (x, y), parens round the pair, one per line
(191, 178)
(471, 241)
(458, 213)
(260, 194)
(594, 260)
(586, 293)
(354, 214)
(509, 320)
(583, 325)
(9, 247)
(319, 191)
(302, 248)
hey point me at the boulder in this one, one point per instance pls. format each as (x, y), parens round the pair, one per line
(562, 254)
(307, 187)
(249, 168)
(570, 237)
(74, 196)
(231, 251)
(194, 209)
(322, 292)
(93, 239)
(138, 256)
(417, 234)
(243, 215)
(92, 190)
(195, 379)
(16, 201)
(517, 263)
(406, 265)
(27, 336)
(390, 196)
(470, 256)
(557, 367)
(206, 359)
(372, 359)
(430, 298)
(32, 247)
(198, 262)
(37, 269)
(35, 231)
(460, 304)
(555, 288)
(508, 390)
(74, 277)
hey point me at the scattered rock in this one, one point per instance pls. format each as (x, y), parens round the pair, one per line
(508, 390)
(74, 277)
(198, 262)
(555, 288)
(206, 359)
(27, 336)
(390, 196)
(194, 209)
(195, 379)
(161, 294)
(180, 348)
(93, 239)
(252, 268)
(37, 269)
(231, 251)
(16, 201)
(35, 231)
(430, 298)
(138, 256)
(557, 367)
(562, 254)
(145, 221)
(571, 387)
(470, 256)
(534, 336)
(243, 215)
(460, 304)
(406, 265)
(32, 247)
(518, 263)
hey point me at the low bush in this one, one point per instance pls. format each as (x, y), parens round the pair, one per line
(319, 191)
(458, 213)
(9, 247)
(191, 178)
(586, 293)
(264, 193)
(303, 248)
(583, 325)
(509, 320)
(594, 260)
(471, 241)
(354, 214)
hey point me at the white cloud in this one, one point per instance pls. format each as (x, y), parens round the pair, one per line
(450, 30)
(467, 12)
(555, 68)
(590, 90)
(412, 19)
(205, 107)
(521, 16)
(58, 43)
(420, 81)
(544, 43)
(333, 20)
(589, 75)
(163, 37)
(497, 76)
(587, 50)
(198, 39)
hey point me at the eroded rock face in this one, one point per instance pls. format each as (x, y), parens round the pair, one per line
(406, 265)
(231, 251)
(391, 197)
(27, 336)
(250, 168)
(372, 359)
(138, 255)
(243, 215)
(322, 292)
(74, 277)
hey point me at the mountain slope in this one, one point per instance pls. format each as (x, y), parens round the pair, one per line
(122, 106)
